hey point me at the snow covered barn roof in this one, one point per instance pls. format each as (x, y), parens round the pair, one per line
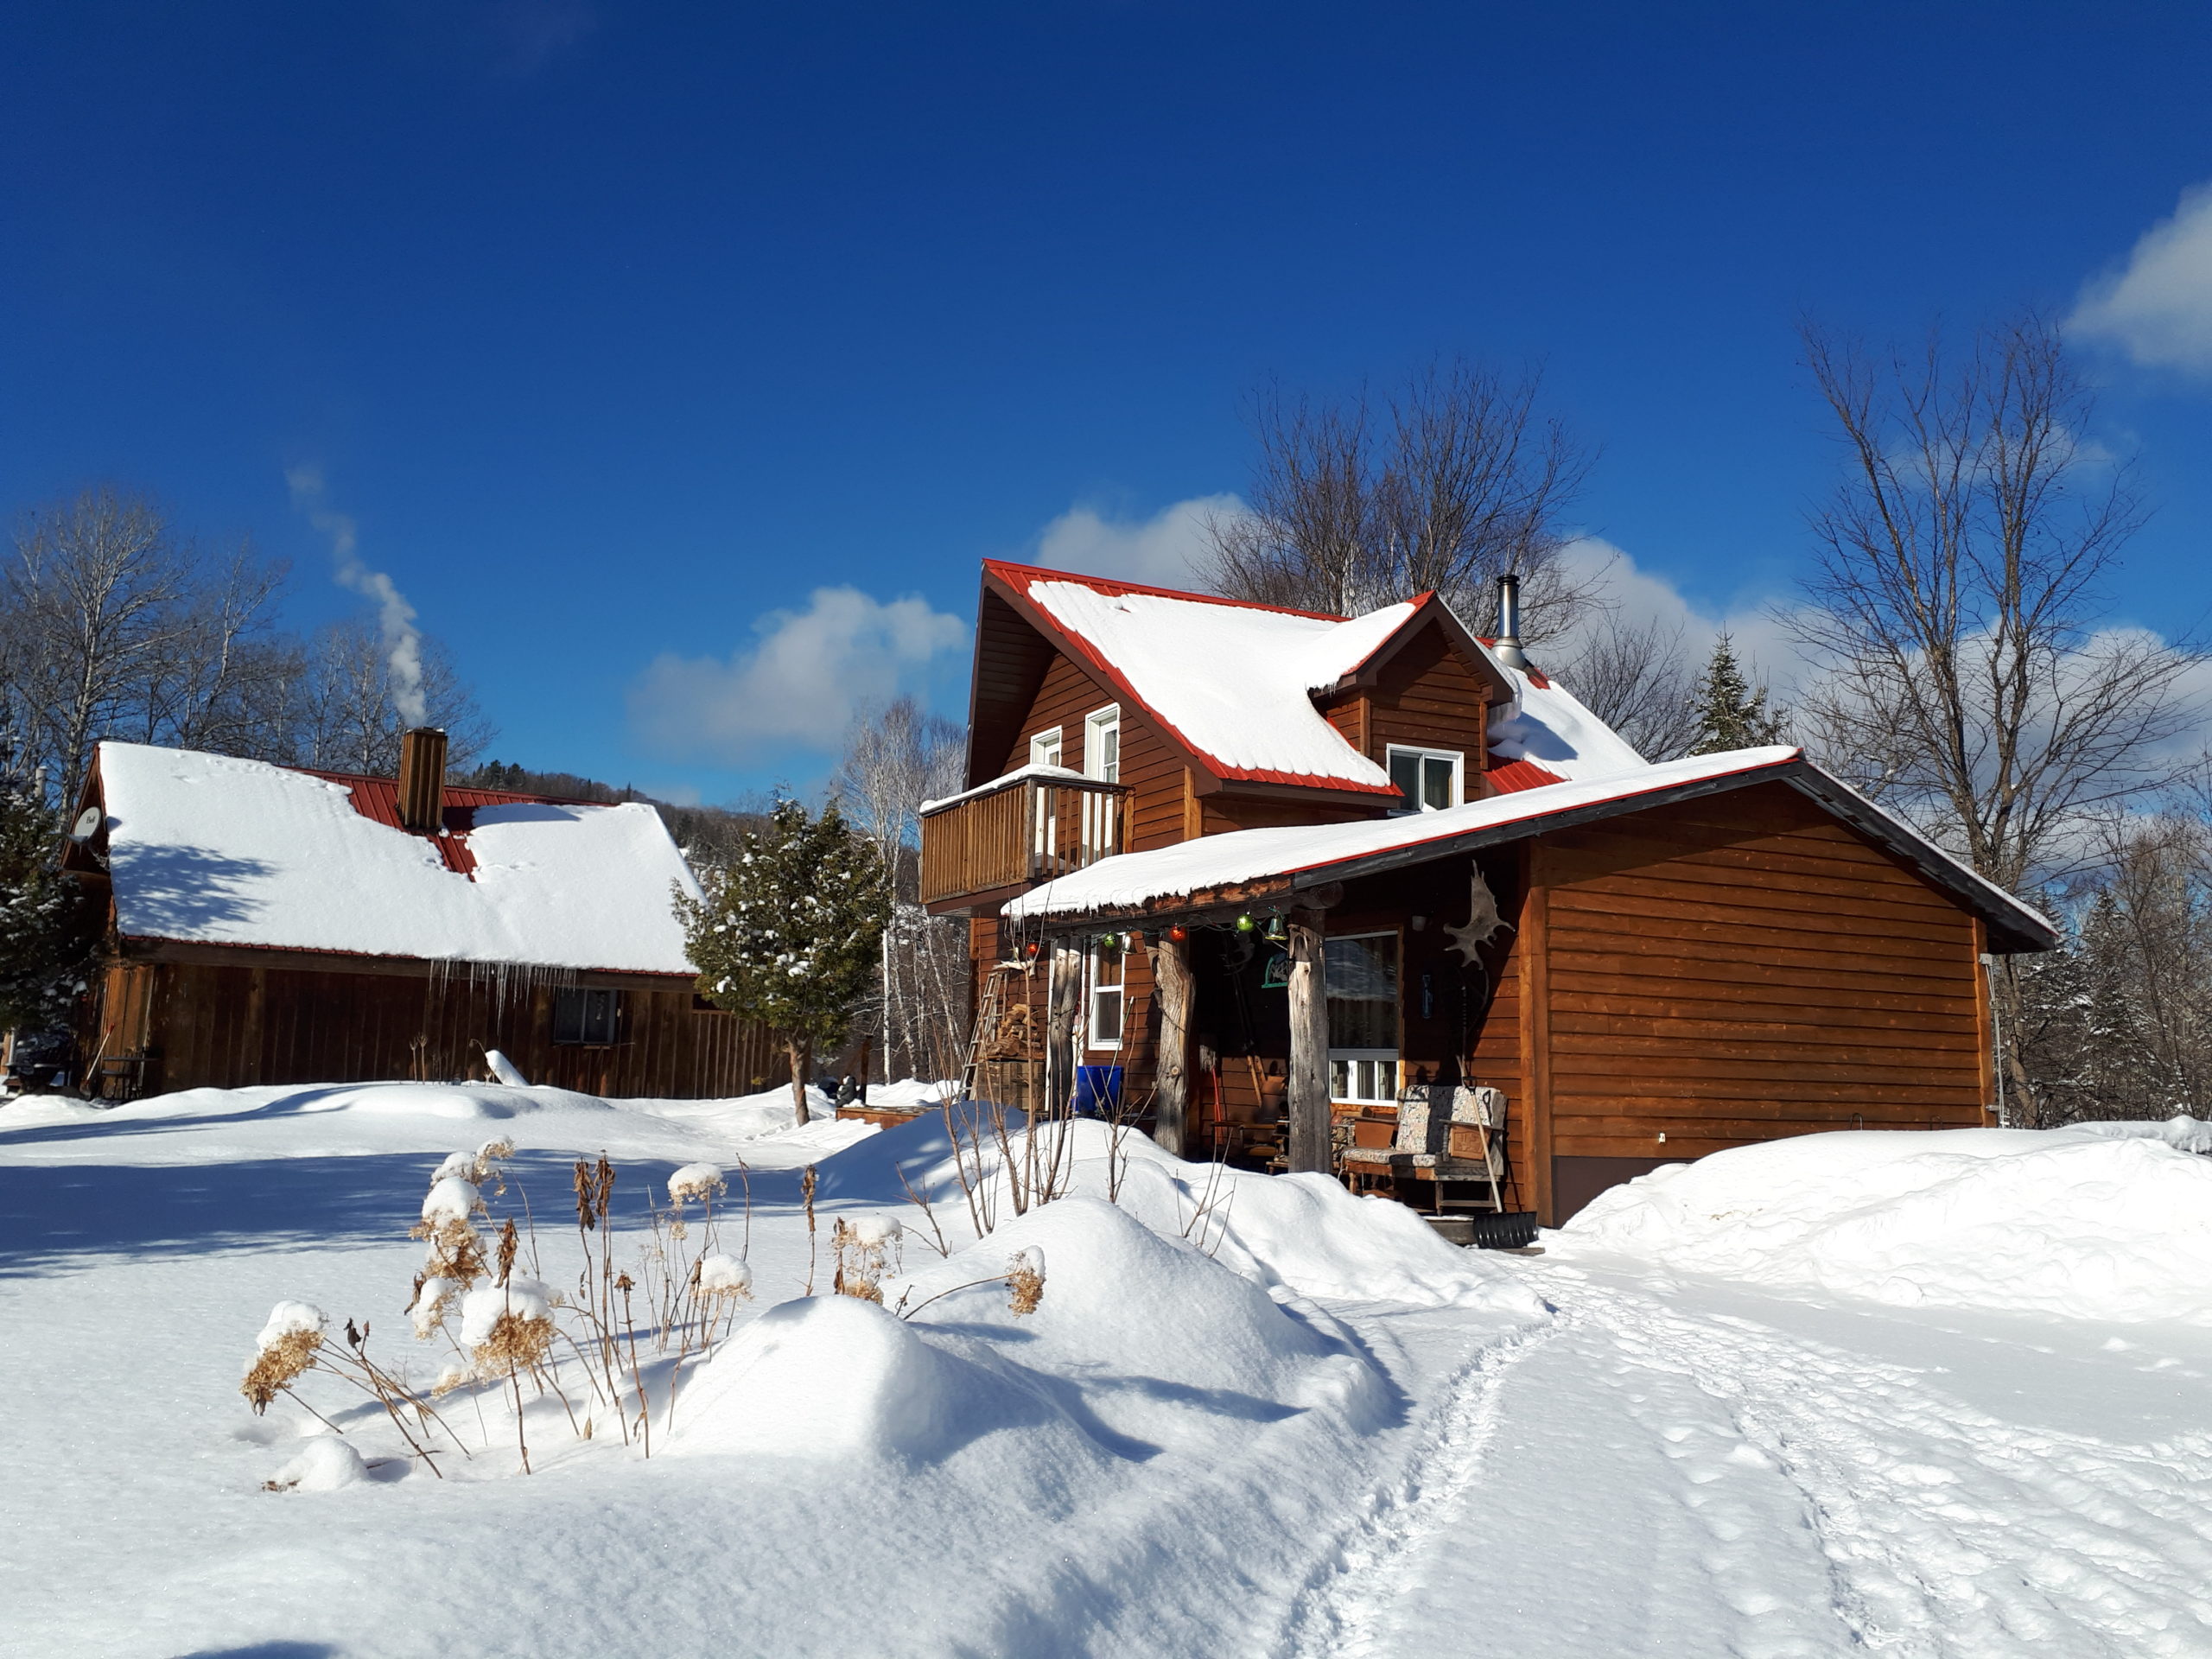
(1235, 683)
(1310, 856)
(206, 850)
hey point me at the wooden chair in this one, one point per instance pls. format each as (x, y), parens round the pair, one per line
(1422, 1148)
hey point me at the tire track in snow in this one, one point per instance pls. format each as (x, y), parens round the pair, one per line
(1350, 1585)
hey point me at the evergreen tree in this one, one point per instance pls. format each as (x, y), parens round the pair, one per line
(49, 928)
(1731, 712)
(786, 932)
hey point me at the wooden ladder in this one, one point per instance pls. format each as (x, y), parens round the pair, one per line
(991, 1008)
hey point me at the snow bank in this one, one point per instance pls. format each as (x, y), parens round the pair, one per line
(1302, 1234)
(321, 1464)
(2088, 1226)
(2181, 1131)
(834, 1376)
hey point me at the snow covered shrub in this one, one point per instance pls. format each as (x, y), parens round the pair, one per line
(508, 1328)
(284, 1350)
(865, 1246)
(702, 1181)
(725, 1278)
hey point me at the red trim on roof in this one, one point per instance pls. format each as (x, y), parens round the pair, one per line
(1512, 777)
(1018, 576)
(1536, 674)
(1021, 575)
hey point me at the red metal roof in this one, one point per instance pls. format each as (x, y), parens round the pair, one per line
(377, 798)
(1512, 777)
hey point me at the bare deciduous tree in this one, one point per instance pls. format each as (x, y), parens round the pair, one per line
(1456, 479)
(111, 626)
(895, 759)
(1952, 615)
(1635, 678)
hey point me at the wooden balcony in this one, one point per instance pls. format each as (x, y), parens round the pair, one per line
(981, 849)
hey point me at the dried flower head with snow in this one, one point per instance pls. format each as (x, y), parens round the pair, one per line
(725, 1278)
(1024, 1280)
(508, 1326)
(285, 1348)
(864, 1246)
(697, 1181)
(432, 1297)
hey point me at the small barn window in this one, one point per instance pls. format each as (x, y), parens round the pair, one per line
(1429, 778)
(1361, 976)
(584, 1017)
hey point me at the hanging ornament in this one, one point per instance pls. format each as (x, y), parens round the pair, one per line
(1243, 924)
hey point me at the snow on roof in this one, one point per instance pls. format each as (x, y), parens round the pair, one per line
(1545, 724)
(1004, 780)
(219, 851)
(1129, 880)
(1233, 681)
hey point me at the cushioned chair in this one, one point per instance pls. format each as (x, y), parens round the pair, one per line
(1421, 1150)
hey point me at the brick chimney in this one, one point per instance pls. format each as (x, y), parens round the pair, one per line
(423, 779)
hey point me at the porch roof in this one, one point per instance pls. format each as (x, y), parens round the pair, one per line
(1267, 863)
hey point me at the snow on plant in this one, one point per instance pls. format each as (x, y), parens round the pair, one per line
(865, 1246)
(1024, 1280)
(509, 1331)
(285, 1348)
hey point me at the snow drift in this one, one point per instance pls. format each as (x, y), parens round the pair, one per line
(2083, 1225)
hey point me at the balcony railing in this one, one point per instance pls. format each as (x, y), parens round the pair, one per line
(1005, 836)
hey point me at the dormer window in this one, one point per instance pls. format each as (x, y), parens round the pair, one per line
(1429, 778)
(1102, 745)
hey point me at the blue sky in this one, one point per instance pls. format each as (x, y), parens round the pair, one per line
(623, 332)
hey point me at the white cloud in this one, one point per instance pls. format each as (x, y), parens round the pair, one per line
(1633, 596)
(798, 686)
(2157, 307)
(1167, 550)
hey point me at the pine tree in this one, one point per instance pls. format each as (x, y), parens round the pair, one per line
(786, 932)
(1731, 712)
(48, 929)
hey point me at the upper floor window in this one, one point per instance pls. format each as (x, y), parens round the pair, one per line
(1045, 748)
(1102, 745)
(1428, 778)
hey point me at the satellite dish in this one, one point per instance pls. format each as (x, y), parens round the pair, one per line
(88, 825)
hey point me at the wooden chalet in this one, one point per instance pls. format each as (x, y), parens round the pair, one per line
(273, 925)
(1257, 873)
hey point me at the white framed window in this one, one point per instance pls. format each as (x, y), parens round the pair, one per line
(1360, 973)
(1045, 830)
(1102, 744)
(1045, 748)
(1429, 778)
(1108, 969)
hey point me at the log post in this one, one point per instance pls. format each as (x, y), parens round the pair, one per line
(1061, 1028)
(1309, 1047)
(1172, 983)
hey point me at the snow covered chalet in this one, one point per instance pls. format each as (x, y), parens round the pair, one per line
(1374, 895)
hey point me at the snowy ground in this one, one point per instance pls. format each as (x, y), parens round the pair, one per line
(1856, 1395)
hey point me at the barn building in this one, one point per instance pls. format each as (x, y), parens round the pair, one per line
(1265, 876)
(274, 924)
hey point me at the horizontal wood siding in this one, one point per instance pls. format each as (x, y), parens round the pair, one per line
(1154, 772)
(1429, 697)
(1744, 968)
(222, 1026)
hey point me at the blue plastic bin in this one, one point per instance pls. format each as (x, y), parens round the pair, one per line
(1097, 1090)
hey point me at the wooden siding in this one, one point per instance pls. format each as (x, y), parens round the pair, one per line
(1070, 693)
(1744, 968)
(1428, 696)
(227, 1026)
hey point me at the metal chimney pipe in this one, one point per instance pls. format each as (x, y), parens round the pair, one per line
(423, 779)
(1507, 648)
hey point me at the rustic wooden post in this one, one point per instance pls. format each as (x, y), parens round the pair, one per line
(1172, 983)
(1309, 1045)
(1061, 1032)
